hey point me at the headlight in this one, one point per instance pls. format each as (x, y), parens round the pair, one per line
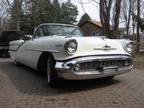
(129, 47)
(71, 46)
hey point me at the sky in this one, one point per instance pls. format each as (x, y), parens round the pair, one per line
(90, 7)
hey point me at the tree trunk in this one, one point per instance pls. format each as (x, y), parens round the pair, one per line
(116, 17)
(129, 16)
(138, 26)
(105, 7)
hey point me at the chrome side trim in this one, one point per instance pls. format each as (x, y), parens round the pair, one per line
(41, 50)
(105, 48)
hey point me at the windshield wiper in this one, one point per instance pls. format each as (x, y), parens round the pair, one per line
(71, 33)
(74, 30)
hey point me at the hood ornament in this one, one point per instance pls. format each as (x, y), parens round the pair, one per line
(106, 47)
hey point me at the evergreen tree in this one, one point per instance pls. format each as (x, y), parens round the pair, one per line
(84, 18)
(45, 11)
(56, 11)
(69, 13)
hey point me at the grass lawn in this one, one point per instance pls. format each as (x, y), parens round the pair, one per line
(139, 61)
(139, 58)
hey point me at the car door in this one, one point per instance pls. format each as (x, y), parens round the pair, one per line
(27, 53)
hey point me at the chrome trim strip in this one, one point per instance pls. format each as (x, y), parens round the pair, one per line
(98, 58)
(53, 51)
(17, 47)
(105, 49)
(101, 56)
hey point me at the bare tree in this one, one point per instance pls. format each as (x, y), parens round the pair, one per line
(109, 8)
(6, 4)
(134, 10)
(105, 9)
(14, 8)
(117, 10)
(128, 7)
(3, 15)
(138, 25)
(16, 13)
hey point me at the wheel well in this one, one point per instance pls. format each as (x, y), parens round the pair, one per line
(41, 65)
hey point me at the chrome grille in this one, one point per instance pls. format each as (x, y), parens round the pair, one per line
(94, 65)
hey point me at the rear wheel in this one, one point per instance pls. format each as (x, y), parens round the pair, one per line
(52, 76)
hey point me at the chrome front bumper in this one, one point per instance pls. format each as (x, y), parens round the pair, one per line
(65, 69)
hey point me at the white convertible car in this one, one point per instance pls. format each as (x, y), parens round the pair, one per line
(63, 52)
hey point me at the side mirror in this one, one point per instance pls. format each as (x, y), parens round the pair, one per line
(28, 37)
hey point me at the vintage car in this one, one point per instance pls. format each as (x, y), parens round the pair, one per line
(63, 52)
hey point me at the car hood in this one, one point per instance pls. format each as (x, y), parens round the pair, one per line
(100, 45)
(91, 46)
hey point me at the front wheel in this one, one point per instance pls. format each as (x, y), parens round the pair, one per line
(52, 76)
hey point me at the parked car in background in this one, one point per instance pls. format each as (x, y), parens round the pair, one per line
(5, 38)
(63, 52)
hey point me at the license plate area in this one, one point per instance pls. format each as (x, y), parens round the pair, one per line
(109, 70)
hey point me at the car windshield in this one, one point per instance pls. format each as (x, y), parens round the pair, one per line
(61, 30)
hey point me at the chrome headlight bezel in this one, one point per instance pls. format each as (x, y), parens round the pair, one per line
(71, 46)
(129, 47)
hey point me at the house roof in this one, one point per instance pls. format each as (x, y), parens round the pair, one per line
(95, 23)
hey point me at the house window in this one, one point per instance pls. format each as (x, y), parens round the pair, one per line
(95, 33)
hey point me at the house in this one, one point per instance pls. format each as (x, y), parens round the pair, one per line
(92, 28)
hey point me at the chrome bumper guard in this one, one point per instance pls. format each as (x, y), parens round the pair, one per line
(69, 69)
